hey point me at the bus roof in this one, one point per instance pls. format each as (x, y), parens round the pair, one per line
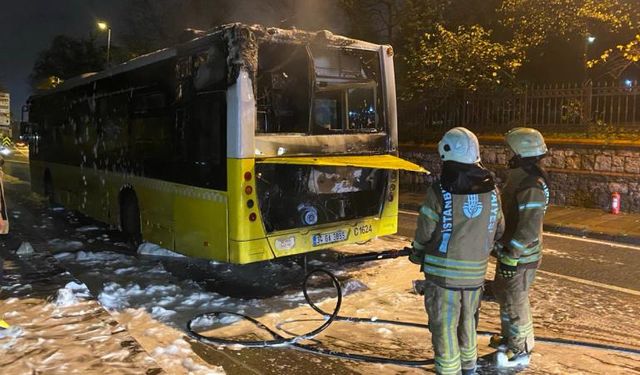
(271, 34)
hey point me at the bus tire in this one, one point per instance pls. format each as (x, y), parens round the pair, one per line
(49, 192)
(130, 219)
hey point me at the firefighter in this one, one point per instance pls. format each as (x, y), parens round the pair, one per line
(458, 225)
(525, 198)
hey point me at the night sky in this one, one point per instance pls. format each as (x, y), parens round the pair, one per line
(28, 26)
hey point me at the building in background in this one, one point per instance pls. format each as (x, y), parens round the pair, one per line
(5, 114)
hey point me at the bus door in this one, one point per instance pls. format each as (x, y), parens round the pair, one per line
(200, 214)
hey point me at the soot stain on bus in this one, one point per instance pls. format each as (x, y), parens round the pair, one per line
(295, 196)
(164, 140)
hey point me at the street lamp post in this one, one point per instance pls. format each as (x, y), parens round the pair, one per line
(586, 83)
(105, 26)
(588, 39)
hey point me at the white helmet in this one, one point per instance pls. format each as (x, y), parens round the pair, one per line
(526, 142)
(461, 145)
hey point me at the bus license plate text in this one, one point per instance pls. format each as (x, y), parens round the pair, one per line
(325, 238)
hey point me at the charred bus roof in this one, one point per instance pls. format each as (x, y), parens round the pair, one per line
(241, 41)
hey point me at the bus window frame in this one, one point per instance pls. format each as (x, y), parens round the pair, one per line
(378, 84)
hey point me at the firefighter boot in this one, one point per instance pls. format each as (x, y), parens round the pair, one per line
(504, 360)
(498, 342)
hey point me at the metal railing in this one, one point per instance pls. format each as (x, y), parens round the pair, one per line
(559, 108)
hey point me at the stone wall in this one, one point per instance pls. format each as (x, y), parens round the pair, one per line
(581, 175)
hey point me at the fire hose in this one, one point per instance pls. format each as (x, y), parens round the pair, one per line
(280, 341)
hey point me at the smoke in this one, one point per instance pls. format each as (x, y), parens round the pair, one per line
(154, 24)
(302, 14)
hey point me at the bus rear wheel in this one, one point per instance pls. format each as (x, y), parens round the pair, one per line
(48, 189)
(130, 219)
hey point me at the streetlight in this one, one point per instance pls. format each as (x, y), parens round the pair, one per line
(105, 26)
(588, 39)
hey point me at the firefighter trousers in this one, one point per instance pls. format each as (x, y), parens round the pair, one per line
(452, 322)
(515, 310)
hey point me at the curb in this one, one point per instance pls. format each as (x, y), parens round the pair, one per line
(582, 232)
(568, 230)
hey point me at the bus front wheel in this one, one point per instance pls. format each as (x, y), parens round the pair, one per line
(130, 219)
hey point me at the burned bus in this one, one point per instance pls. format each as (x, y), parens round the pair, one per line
(241, 145)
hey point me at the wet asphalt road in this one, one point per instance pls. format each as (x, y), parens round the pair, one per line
(596, 262)
(17, 165)
(599, 262)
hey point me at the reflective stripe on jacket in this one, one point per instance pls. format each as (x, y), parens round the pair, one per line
(455, 234)
(525, 199)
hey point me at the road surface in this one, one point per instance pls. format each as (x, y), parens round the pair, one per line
(602, 262)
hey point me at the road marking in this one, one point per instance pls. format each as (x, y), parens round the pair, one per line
(599, 242)
(16, 161)
(550, 234)
(22, 152)
(592, 283)
(571, 278)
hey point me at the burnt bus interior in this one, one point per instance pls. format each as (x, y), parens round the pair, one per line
(166, 120)
(320, 95)
(315, 90)
(294, 196)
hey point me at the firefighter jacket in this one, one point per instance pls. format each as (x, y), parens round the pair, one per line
(455, 236)
(525, 198)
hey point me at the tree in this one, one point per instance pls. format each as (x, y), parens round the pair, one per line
(466, 58)
(67, 57)
(615, 61)
(535, 21)
(375, 20)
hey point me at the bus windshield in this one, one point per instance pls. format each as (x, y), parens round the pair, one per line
(318, 90)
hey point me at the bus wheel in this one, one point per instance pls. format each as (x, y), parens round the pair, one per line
(130, 218)
(48, 189)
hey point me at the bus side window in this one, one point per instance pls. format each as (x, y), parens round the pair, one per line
(206, 129)
(148, 104)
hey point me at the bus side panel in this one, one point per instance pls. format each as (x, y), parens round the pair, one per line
(156, 210)
(247, 238)
(37, 169)
(390, 209)
(73, 186)
(200, 220)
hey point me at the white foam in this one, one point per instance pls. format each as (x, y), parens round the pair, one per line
(122, 271)
(87, 228)
(71, 294)
(161, 313)
(149, 248)
(59, 244)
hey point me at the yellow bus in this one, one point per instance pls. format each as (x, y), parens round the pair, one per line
(243, 144)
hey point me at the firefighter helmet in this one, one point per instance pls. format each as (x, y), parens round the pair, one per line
(526, 142)
(461, 145)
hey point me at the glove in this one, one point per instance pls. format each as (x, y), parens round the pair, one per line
(415, 256)
(418, 287)
(497, 250)
(507, 267)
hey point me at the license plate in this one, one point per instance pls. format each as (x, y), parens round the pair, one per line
(331, 237)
